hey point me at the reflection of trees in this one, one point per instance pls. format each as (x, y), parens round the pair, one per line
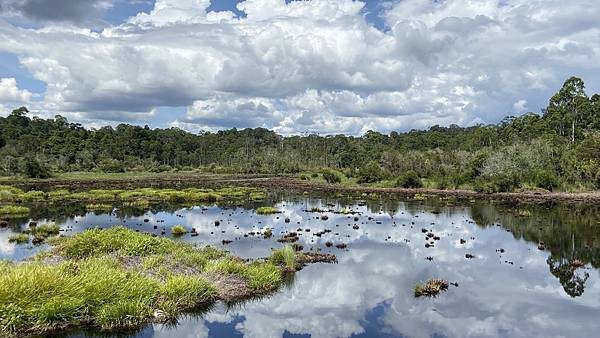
(572, 282)
(569, 232)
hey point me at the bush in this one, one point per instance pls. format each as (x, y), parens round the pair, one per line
(35, 169)
(410, 179)
(331, 177)
(110, 165)
(370, 173)
(546, 180)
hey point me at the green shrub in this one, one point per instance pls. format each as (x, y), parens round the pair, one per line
(331, 176)
(409, 179)
(35, 169)
(370, 173)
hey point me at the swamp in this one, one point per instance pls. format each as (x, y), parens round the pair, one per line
(243, 261)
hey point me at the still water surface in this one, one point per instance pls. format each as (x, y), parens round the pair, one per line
(510, 288)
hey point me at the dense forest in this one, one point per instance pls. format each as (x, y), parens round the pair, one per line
(557, 149)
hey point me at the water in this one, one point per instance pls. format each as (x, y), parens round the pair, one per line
(510, 289)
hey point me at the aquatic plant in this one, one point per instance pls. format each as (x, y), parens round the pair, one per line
(14, 211)
(431, 288)
(267, 211)
(178, 230)
(99, 207)
(19, 238)
(285, 257)
(45, 230)
(268, 233)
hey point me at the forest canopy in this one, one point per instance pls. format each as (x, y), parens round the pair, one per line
(556, 149)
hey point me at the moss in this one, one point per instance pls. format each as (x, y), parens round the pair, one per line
(267, 211)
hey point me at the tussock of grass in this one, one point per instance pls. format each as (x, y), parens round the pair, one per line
(264, 277)
(178, 230)
(14, 210)
(268, 233)
(285, 257)
(46, 230)
(267, 210)
(432, 288)
(99, 207)
(19, 238)
(186, 292)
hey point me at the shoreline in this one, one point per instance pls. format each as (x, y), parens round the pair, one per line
(283, 182)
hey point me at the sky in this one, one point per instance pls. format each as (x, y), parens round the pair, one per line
(305, 66)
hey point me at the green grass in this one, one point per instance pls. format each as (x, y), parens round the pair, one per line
(98, 284)
(285, 257)
(99, 207)
(46, 230)
(268, 233)
(14, 210)
(140, 197)
(267, 211)
(178, 230)
(19, 238)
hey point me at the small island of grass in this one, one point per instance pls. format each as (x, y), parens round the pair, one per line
(267, 211)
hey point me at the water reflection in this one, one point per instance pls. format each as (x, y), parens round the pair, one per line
(510, 289)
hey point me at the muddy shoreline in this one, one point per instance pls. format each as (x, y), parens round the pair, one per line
(290, 183)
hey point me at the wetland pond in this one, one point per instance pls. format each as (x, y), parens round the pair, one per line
(517, 270)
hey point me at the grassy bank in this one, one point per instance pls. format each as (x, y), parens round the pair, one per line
(117, 278)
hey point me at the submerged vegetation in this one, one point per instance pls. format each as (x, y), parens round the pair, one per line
(118, 278)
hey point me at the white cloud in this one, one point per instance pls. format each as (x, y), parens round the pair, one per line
(10, 92)
(318, 65)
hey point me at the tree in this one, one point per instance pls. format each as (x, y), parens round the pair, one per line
(568, 105)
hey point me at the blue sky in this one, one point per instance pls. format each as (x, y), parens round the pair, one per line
(325, 66)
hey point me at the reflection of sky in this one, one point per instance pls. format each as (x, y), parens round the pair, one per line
(369, 292)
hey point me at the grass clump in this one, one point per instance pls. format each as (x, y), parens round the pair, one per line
(285, 257)
(267, 211)
(185, 292)
(19, 238)
(264, 277)
(268, 233)
(432, 288)
(178, 230)
(46, 230)
(14, 210)
(99, 207)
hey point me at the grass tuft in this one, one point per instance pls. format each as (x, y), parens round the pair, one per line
(285, 257)
(14, 211)
(19, 238)
(178, 230)
(432, 288)
(267, 211)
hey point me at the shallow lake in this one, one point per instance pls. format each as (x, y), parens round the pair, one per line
(534, 270)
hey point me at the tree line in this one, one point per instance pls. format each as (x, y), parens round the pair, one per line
(556, 149)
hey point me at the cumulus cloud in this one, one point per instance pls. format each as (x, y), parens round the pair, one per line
(10, 92)
(318, 65)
